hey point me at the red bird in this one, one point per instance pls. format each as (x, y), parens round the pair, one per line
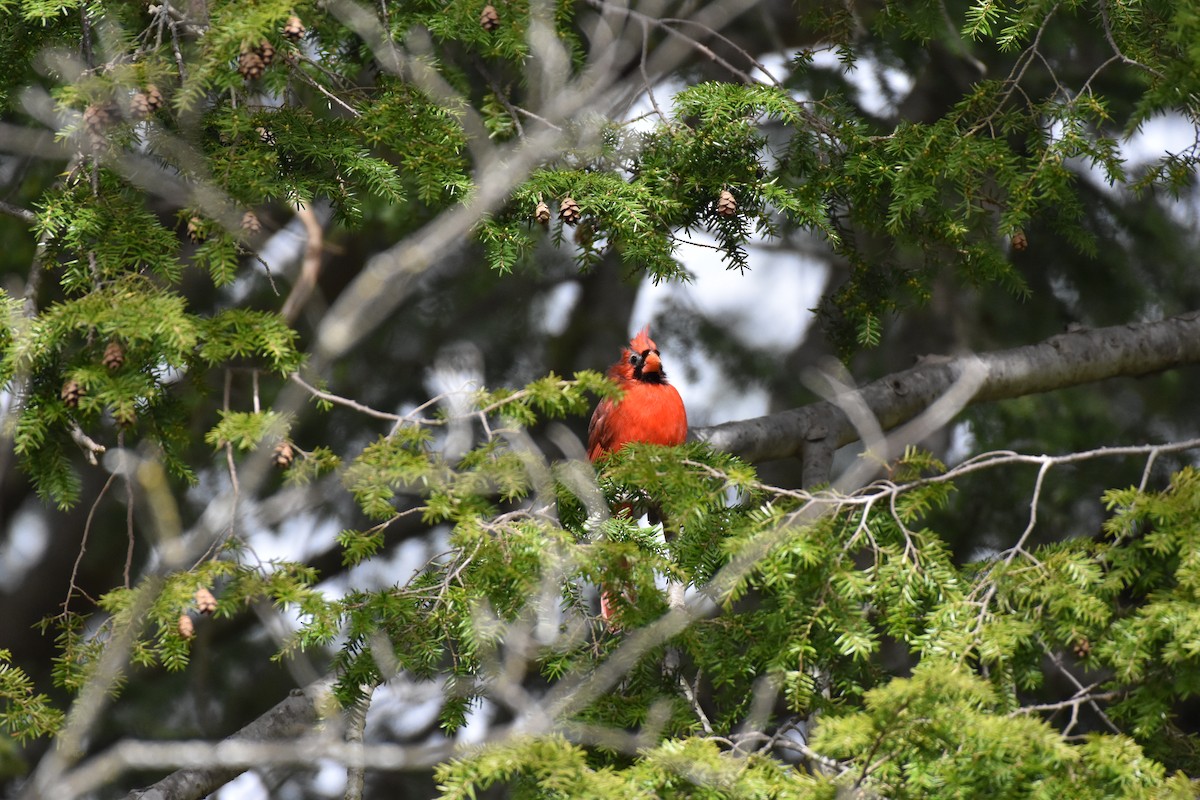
(650, 410)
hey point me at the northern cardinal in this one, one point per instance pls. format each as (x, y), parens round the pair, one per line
(650, 410)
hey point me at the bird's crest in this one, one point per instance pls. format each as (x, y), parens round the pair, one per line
(642, 342)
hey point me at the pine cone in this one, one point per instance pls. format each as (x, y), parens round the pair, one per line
(1019, 240)
(585, 234)
(284, 455)
(97, 119)
(125, 418)
(186, 629)
(251, 65)
(71, 392)
(114, 356)
(293, 29)
(569, 211)
(266, 51)
(139, 105)
(489, 19)
(153, 97)
(205, 602)
(265, 136)
(1082, 648)
(542, 213)
(250, 223)
(726, 204)
(195, 229)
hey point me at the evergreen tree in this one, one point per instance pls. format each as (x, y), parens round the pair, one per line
(280, 269)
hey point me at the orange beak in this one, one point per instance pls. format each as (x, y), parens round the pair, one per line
(653, 363)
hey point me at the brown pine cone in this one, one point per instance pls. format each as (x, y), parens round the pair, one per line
(542, 213)
(154, 98)
(250, 223)
(1019, 240)
(251, 65)
(726, 204)
(139, 105)
(186, 628)
(266, 51)
(195, 229)
(97, 118)
(568, 210)
(585, 235)
(293, 29)
(205, 602)
(114, 356)
(489, 19)
(71, 392)
(284, 455)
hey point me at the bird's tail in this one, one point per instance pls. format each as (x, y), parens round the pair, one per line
(609, 594)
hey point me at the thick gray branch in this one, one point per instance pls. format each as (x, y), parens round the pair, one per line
(298, 732)
(1069, 359)
(291, 718)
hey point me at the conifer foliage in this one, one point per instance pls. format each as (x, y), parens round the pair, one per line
(174, 386)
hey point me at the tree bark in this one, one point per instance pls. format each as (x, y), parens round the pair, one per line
(292, 717)
(1065, 360)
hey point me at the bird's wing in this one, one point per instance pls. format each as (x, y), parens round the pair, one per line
(599, 432)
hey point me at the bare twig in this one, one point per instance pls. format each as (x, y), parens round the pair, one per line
(130, 539)
(668, 25)
(168, 14)
(23, 214)
(72, 587)
(689, 692)
(1092, 701)
(90, 447)
(230, 463)
(333, 98)
(344, 401)
(1083, 696)
(1106, 23)
(310, 267)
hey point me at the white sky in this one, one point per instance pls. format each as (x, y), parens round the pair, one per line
(766, 306)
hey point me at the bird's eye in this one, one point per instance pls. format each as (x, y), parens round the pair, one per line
(634, 358)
